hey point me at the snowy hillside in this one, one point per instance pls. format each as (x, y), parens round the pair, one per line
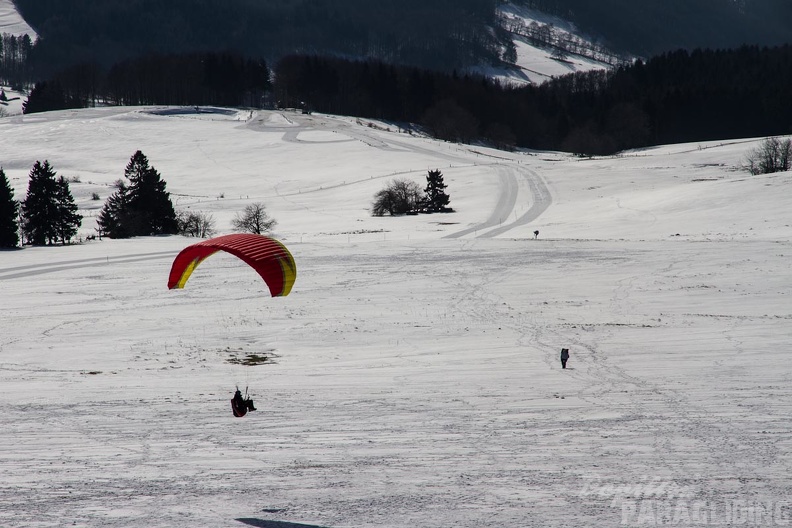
(537, 64)
(534, 64)
(412, 376)
(11, 22)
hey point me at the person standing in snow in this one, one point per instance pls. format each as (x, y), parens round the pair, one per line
(564, 357)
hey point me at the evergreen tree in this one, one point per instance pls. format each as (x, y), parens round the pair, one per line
(46, 96)
(40, 207)
(436, 198)
(9, 209)
(149, 202)
(111, 219)
(67, 221)
(141, 208)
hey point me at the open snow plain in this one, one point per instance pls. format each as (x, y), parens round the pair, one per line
(413, 377)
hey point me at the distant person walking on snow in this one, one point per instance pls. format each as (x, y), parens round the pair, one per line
(564, 357)
(536, 234)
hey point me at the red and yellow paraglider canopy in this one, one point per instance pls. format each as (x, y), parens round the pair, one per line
(271, 260)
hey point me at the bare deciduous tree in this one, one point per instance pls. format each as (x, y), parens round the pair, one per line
(254, 219)
(399, 197)
(195, 224)
(772, 155)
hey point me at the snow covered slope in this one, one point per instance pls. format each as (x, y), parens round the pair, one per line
(413, 376)
(536, 64)
(11, 22)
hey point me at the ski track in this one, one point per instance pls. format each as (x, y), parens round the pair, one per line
(509, 198)
(541, 199)
(51, 267)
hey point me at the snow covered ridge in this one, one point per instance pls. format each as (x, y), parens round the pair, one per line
(562, 37)
(535, 63)
(11, 22)
(547, 47)
(413, 374)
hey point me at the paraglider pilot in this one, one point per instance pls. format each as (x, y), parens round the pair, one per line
(241, 405)
(564, 357)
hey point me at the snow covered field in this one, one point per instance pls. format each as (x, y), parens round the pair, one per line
(413, 377)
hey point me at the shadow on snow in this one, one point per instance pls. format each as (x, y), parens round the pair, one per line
(261, 523)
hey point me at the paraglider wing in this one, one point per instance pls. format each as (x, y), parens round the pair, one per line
(271, 260)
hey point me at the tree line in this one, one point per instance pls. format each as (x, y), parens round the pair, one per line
(15, 52)
(435, 34)
(47, 215)
(546, 35)
(651, 27)
(675, 97)
(139, 206)
(223, 79)
(402, 196)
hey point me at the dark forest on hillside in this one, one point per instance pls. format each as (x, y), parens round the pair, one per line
(676, 97)
(221, 79)
(442, 35)
(435, 34)
(651, 27)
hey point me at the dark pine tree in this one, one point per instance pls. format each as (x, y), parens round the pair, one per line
(141, 208)
(9, 209)
(436, 197)
(40, 207)
(112, 219)
(149, 204)
(47, 96)
(67, 221)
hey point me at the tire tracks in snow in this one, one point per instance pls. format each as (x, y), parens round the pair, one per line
(511, 174)
(506, 207)
(19, 272)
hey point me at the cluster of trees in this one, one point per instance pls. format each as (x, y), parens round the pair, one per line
(675, 97)
(402, 196)
(47, 215)
(14, 54)
(224, 79)
(141, 207)
(437, 34)
(195, 224)
(772, 155)
(561, 42)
